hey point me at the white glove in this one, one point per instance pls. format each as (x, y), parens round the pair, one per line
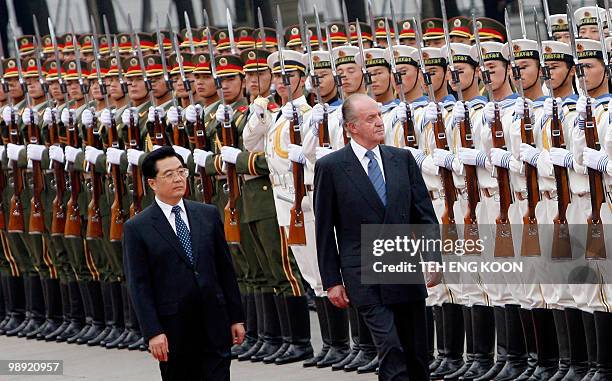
(548, 106)
(594, 159)
(259, 106)
(458, 112)
(2, 152)
(287, 111)
(318, 112)
(418, 154)
(192, 112)
(172, 116)
(87, 117)
(230, 154)
(431, 112)
(113, 155)
(35, 151)
(56, 153)
(13, 151)
(470, 156)
(184, 152)
(489, 112)
(106, 117)
(529, 154)
(443, 158)
(296, 154)
(401, 112)
(151, 115)
(220, 114)
(308, 85)
(28, 114)
(71, 153)
(49, 115)
(133, 156)
(581, 104)
(199, 157)
(68, 114)
(561, 157)
(322, 152)
(6, 114)
(125, 117)
(500, 157)
(519, 107)
(340, 117)
(92, 154)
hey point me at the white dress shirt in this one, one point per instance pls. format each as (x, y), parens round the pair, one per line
(167, 210)
(360, 152)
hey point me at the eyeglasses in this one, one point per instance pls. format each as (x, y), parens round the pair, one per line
(182, 173)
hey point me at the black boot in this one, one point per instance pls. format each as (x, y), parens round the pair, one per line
(516, 361)
(65, 314)
(530, 344)
(133, 340)
(299, 322)
(483, 331)
(324, 327)
(339, 332)
(77, 315)
(469, 346)
(3, 302)
(285, 328)
(563, 342)
(53, 303)
(94, 293)
(354, 333)
(118, 326)
(579, 362)
(258, 307)
(453, 341)
(439, 335)
(272, 331)
(367, 349)
(88, 308)
(588, 320)
(431, 337)
(107, 302)
(16, 303)
(36, 310)
(251, 326)
(127, 320)
(502, 348)
(603, 330)
(546, 344)
(370, 367)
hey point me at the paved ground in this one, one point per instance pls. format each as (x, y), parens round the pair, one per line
(97, 364)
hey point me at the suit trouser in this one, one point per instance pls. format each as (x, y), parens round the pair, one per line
(400, 337)
(196, 367)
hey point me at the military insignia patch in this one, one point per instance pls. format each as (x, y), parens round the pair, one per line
(222, 61)
(251, 55)
(334, 28)
(457, 23)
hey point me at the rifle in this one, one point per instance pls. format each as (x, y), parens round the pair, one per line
(3, 181)
(504, 246)
(562, 247)
(117, 212)
(297, 229)
(530, 244)
(338, 82)
(595, 244)
(232, 218)
(367, 77)
(58, 219)
(372, 24)
(450, 192)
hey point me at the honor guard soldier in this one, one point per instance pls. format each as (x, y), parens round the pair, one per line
(560, 28)
(433, 32)
(406, 33)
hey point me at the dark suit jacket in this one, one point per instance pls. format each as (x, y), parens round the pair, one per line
(172, 296)
(345, 199)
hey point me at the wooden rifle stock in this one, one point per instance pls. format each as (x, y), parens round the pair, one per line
(73, 222)
(297, 230)
(182, 139)
(94, 215)
(503, 231)
(118, 214)
(36, 223)
(137, 182)
(324, 132)
(595, 246)
(530, 243)
(232, 218)
(471, 183)
(449, 229)
(409, 134)
(2, 188)
(58, 218)
(561, 245)
(206, 184)
(16, 218)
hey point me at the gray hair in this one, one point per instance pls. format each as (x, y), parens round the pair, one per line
(349, 111)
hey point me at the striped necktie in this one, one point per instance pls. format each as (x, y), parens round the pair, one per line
(376, 177)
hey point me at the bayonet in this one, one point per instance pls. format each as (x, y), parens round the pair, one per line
(179, 61)
(318, 25)
(189, 33)
(160, 43)
(547, 19)
(22, 83)
(262, 32)
(367, 77)
(38, 54)
(372, 23)
(230, 31)
(395, 24)
(581, 83)
(337, 78)
(516, 71)
(426, 76)
(346, 23)
(522, 19)
(449, 53)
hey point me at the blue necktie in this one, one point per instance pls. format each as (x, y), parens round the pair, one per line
(182, 232)
(376, 177)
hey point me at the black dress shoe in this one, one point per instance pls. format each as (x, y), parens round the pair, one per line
(15, 320)
(335, 355)
(448, 366)
(108, 344)
(363, 358)
(4, 321)
(295, 353)
(59, 329)
(83, 331)
(435, 363)
(577, 371)
(254, 349)
(130, 339)
(511, 370)
(270, 359)
(73, 328)
(98, 339)
(93, 332)
(138, 345)
(32, 334)
(461, 371)
(316, 358)
(267, 349)
(15, 331)
(479, 368)
(371, 367)
(491, 373)
(115, 333)
(245, 346)
(544, 372)
(347, 360)
(33, 325)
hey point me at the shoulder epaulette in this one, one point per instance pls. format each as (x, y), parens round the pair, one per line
(243, 108)
(273, 107)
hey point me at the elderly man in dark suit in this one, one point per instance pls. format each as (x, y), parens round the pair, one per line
(180, 277)
(369, 183)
